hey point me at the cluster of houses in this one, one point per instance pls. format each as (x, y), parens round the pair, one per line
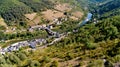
(33, 43)
(47, 29)
(52, 33)
(55, 21)
(58, 21)
(18, 45)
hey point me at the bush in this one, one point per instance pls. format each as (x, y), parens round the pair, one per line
(22, 56)
(54, 64)
(45, 59)
(14, 59)
(69, 56)
(116, 58)
(6, 65)
(90, 45)
(96, 63)
(35, 64)
(108, 64)
(2, 61)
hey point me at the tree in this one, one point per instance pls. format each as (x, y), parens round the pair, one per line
(111, 32)
(2, 61)
(14, 59)
(22, 56)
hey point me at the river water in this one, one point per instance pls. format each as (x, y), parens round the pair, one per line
(88, 18)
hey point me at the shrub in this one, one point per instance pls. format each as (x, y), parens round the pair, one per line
(116, 58)
(14, 59)
(90, 45)
(54, 64)
(69, 56)
(35, 64)
(2, 61)
(22, 56)
(96, 63)
(45, 59)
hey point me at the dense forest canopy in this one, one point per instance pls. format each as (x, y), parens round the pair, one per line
(13, 10)
(107, 9)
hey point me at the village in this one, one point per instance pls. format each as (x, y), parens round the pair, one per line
(55, 18)
(32, 43)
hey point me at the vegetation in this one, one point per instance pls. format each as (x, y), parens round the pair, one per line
(38, 5)
(92, 45)
(15, 37)
(107, 9)
(13, 11)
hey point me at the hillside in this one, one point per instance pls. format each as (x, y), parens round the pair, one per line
(60, 33)
(22, 15)
(13, 11)
(93, 45)
(108, 9)
(15, 14)
(109, 6)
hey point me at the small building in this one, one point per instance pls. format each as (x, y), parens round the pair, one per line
(50, 26)
(30, 29)
(32, 45)
(58, 22)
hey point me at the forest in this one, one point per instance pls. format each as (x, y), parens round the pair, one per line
(13, 11)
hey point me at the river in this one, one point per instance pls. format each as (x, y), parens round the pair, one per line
(88, 18)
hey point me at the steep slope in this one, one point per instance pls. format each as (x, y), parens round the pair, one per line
(38, 5)
(111, 8)
(13, 11)
(92, 45)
